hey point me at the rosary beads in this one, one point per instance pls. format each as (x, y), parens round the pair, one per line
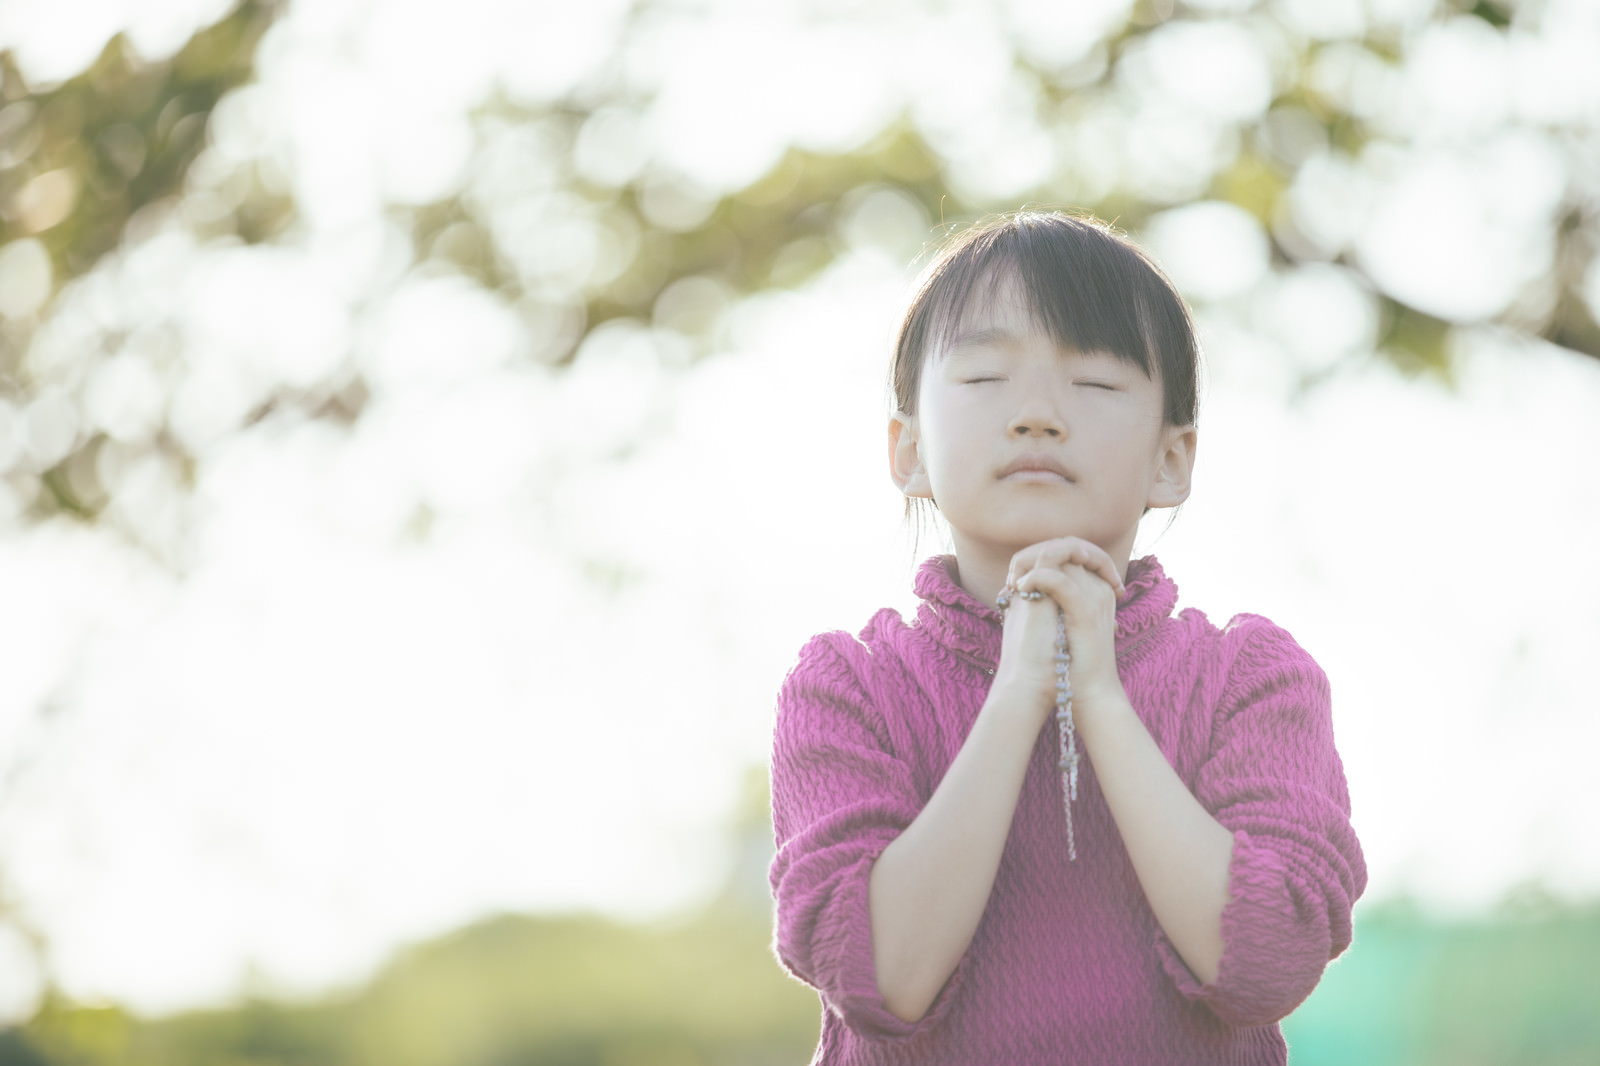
(1068, 762)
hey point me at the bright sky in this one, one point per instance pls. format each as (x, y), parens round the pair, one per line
(336, 736)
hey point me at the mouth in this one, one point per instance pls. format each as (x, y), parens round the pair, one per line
(1035, 467)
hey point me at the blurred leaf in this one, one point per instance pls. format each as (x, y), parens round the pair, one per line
(573, 248)
(122, 135)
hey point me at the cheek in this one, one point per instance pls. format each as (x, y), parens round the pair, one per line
(958, 411)
(946, 438)
(932, 424)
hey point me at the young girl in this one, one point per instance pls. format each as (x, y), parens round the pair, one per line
(1084, 829)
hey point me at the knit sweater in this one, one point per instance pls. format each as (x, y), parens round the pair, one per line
(1068, 963)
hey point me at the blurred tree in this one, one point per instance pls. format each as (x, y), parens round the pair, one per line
(595, 232)
(557, 991)
(505, 992)
(81, 164)
(511, 990)
(80, 159)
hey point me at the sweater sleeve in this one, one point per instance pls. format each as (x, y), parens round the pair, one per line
(840, 795)
(1274, 779)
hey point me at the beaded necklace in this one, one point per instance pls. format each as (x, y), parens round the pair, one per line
(1068, 761)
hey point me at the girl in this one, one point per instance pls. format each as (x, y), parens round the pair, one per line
(1086, 829)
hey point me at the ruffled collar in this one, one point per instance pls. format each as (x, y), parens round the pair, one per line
(951, 615)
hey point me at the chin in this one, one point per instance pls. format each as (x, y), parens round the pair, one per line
(1024, 534)
(1027, 533)
(1051, 525)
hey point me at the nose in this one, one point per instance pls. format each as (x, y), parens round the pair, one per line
(1037, 416)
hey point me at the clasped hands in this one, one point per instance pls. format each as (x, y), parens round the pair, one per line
(1079, 580)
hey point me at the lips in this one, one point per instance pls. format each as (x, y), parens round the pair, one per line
(1036, 465)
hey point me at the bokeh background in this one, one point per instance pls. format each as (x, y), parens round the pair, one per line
(428, 432)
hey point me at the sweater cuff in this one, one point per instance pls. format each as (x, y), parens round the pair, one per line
(856, 999)
(1258, 974)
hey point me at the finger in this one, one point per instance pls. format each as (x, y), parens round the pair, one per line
(1021, 563)
(1053, 583)
(1056, 553)
(1070, 584)
(1029, 581)
(1100, 564)
(1075, 551)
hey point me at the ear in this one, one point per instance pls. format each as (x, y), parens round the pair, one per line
(905, 461)
(1170, 485)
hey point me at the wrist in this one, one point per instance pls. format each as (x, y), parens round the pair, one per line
(1096, 702)
(1017, 699)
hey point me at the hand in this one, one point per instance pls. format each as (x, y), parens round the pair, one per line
(1080, 581)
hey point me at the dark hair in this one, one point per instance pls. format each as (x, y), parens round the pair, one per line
(1087, 286)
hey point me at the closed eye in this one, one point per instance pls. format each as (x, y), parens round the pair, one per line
(1108, 386)
(979, 381)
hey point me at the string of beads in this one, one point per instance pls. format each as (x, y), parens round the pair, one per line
(1068, 761)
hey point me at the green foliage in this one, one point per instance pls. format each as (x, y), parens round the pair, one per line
(1415, 991)
(116, 139)
(83, 162)
(526, 990)
(508, 991)
(584, 991)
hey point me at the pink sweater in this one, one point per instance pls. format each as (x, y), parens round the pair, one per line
(1068, 964)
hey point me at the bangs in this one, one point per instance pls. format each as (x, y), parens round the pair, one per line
(1084, 287)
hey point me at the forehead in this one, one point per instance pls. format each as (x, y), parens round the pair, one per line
(996, 308)
(1000, 311)
(997, 299)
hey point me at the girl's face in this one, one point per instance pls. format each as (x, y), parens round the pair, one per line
(1018, 440)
